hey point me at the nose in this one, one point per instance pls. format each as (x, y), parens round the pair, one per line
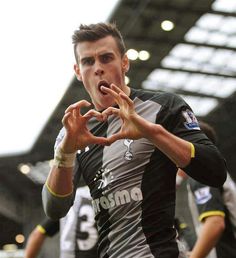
(98, 69)
(99, 72)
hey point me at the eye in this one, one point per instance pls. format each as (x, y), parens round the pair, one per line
(106, 58)
(87, 61)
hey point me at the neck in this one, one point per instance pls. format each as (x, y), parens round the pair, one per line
(126, 90)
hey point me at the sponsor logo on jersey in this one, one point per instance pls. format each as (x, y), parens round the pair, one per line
(190, 120)
(117, 199)
(203, 195)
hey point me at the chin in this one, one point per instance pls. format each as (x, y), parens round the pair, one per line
(105, 105)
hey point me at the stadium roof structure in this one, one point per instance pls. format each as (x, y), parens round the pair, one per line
(182, 46)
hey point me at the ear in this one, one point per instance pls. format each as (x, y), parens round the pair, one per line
(77, 72)
(125, 64)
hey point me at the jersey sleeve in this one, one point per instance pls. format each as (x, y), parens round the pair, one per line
(49, 227)
(208, 200)
(207, 164)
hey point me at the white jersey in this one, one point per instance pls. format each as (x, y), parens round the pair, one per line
(78, 232)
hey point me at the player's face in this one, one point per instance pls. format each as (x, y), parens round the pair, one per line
(100, 63)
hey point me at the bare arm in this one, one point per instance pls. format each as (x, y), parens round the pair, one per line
(211, 230)
(34, 243)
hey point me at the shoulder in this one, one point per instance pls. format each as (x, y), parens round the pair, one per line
(170, 102)
(160, 96)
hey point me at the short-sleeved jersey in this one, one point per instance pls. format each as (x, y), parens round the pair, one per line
(132, 183)
(78, 232)
(209, 202)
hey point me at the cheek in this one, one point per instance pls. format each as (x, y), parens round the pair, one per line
(88, 81)
(118, 76)
(85, 75)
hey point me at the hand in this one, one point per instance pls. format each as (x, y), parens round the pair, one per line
(131, 121)
(77, 135)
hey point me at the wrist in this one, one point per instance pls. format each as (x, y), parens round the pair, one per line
(63, 159)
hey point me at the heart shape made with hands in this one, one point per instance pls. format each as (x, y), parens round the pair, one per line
(127, 128)
(103, 117)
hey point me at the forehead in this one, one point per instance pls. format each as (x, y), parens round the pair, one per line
(101, 46)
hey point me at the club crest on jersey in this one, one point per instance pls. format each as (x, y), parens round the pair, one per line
(203, 195)
(190, 120)
(128, 154)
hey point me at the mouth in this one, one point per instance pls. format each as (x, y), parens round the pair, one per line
(104, 84)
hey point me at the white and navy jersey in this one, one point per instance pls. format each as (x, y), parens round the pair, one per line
(132, 183)
(78, 232)
(210, 201)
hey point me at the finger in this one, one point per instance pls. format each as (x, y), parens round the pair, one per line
(116, 88)
(115, 92)
(126, 98)
(122, 96)
(65, 119)
(115, 137)
(110, 91)
(78, 105)
(100, 140)
(93, 113)
(111, 111)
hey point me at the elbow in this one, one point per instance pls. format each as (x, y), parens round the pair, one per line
(219, 174)
(221, 226)
(55, 207)
(56, 211)
(216, 168)
(211, 176)
(214, 177)
(209, 169)
(54, 215)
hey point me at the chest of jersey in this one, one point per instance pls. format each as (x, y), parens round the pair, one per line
(118, 168)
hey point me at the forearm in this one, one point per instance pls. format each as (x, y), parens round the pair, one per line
(193, 158)
(34, 244)
(177, 149)
(60, 181)
(57, 192)
(55, 206)
(208, 237)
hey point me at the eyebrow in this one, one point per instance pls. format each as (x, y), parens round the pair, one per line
(91, 57)
(86, 58)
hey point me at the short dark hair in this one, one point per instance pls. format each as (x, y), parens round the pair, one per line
(209, 131)
(98, 31)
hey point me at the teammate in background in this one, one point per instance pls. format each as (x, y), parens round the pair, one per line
(186, 235)
(78, 233)
(214, 214)
(128, 150)
(35, 241)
